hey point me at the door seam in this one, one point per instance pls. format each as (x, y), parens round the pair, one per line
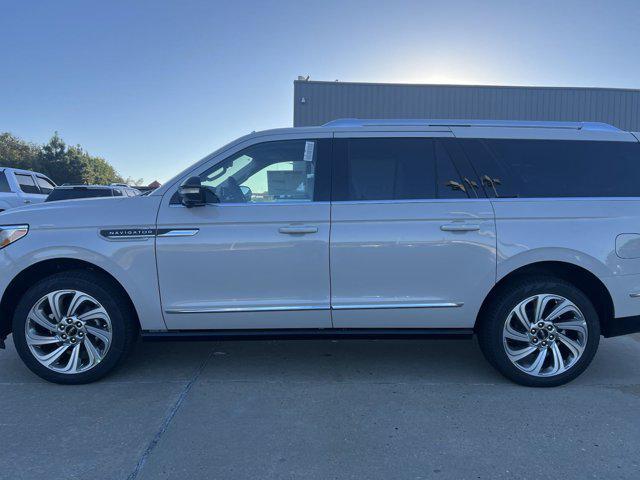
(331, 230)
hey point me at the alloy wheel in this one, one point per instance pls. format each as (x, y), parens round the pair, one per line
(545, 335)
(68, 331)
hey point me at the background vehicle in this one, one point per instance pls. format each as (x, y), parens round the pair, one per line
(69, 192)
(20, 187)
(514, 231)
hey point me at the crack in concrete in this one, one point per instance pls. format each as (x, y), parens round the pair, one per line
(168, 419)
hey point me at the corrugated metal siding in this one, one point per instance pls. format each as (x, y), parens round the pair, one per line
(326, 101)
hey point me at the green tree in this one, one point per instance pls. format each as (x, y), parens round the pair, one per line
(16, 153)
(57, 160)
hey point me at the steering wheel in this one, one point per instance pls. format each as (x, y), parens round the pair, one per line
(230, 192)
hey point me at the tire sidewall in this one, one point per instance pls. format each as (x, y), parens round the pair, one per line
(96, 289)
(494, 325)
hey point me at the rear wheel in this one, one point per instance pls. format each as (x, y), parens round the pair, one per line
(540, 332)
(73, 327)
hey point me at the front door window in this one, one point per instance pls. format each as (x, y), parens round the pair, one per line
(281, 171)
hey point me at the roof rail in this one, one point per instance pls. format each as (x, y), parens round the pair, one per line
(357, 122)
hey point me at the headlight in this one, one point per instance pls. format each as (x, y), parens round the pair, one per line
(12, 233)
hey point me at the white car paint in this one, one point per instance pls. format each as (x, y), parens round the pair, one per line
(369, 264)
(15, 197)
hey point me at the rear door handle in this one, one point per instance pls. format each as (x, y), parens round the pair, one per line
(459, 227)
(298, 229)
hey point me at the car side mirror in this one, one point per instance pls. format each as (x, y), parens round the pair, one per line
(192, 193)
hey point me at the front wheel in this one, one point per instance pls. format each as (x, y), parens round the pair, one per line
(73, 327)
(540, 332)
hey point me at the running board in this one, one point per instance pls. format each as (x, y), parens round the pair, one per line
(307, 334)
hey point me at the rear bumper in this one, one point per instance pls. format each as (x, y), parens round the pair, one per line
(623, 290)
(621, 326)
(5, 330)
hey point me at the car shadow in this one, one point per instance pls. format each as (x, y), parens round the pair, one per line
(371, 361)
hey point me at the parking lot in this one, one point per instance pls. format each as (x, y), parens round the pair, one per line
(321, 410)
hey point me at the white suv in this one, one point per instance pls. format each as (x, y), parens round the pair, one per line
(527, 234)
(22, 187)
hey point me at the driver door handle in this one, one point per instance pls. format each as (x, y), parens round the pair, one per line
(298, 229)
(460, 227)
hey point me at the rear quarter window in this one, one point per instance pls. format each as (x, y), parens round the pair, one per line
(45, 185)
(556, 168)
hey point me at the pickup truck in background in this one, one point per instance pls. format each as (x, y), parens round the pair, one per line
(22, 187)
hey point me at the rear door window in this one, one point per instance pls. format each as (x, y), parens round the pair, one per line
(27, 184)
(450, 184)
(384, 169)
(467, 173)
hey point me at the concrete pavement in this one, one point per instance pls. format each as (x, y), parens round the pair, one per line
(321, 410)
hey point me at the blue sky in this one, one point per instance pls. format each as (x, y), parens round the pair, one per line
(153, 86)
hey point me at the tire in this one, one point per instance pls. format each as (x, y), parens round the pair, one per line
(569, 339)
(90, 333)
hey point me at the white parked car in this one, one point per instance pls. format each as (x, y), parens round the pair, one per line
(22, 187)
(524, 233)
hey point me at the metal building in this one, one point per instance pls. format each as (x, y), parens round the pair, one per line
(316, 103)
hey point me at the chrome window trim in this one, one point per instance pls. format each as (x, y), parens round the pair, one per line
(544, 199)
(254, 204)
(405, 201)
(492, 199)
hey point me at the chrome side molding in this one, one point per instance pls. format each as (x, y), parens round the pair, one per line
(177, 232)
(245, 309)
(372, 306)
(368, 306)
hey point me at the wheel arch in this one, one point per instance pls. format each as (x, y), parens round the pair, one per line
(27, 277)
(578, 276)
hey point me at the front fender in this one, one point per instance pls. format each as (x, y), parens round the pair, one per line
(131, 263)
